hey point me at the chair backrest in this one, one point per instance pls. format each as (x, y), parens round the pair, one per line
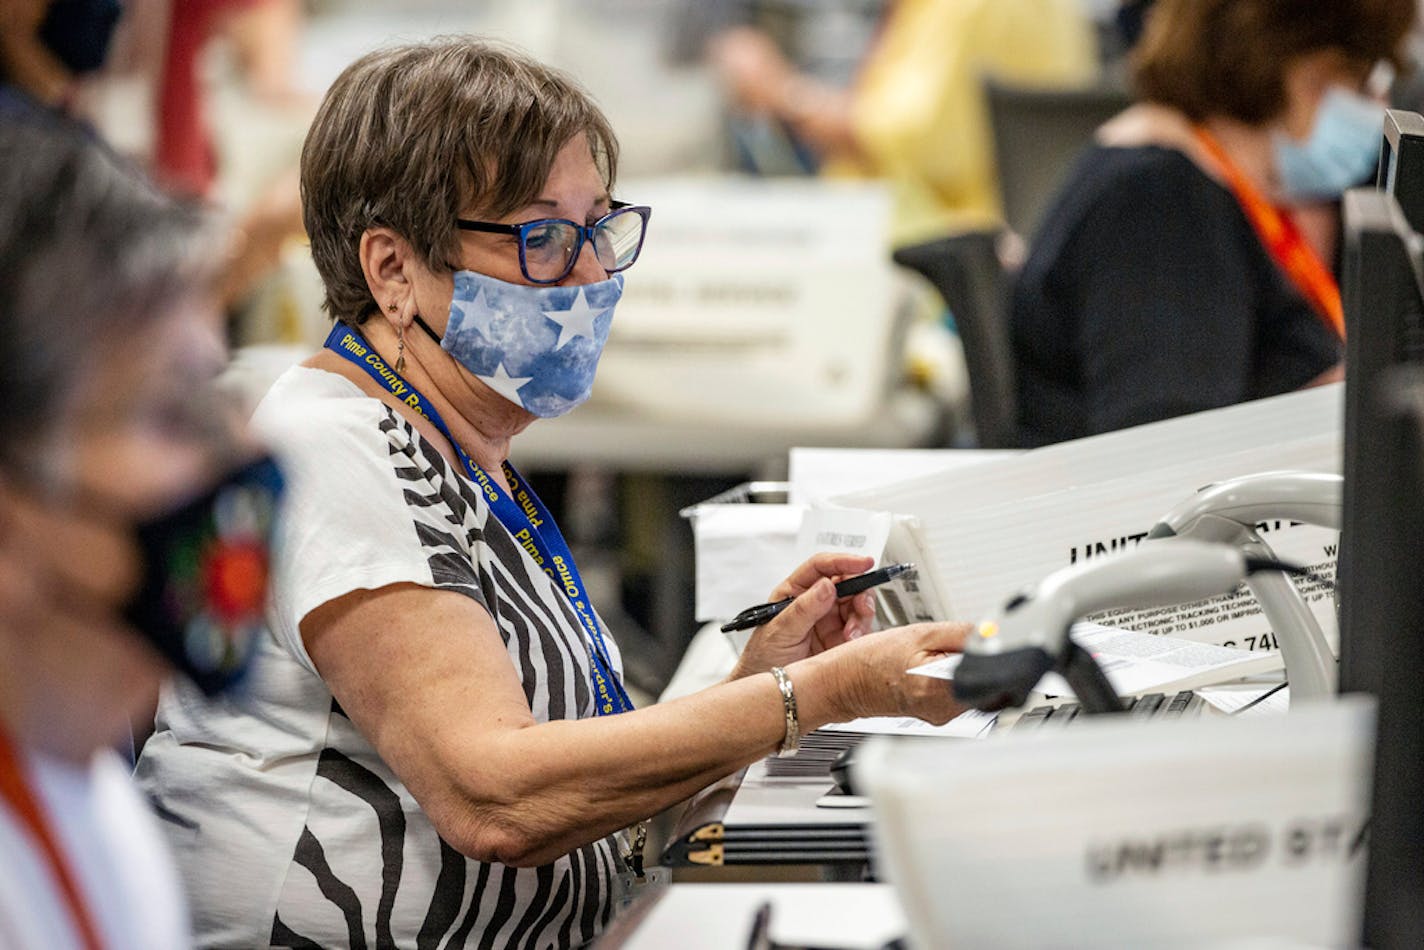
(1037, 134)
(966, 270)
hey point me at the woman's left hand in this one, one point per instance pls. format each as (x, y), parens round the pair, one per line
(816, 621)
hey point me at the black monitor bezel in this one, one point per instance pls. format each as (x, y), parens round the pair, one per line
(1382, 538)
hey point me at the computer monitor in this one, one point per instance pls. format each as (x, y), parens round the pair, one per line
(1401, 163)
(1379, 581)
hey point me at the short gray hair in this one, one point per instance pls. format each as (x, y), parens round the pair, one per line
(90, 251)
(408, 137)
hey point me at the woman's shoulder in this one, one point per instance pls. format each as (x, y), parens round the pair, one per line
(321, 421)
(1130, 172)
(325, 428)
(1147, 195)
(315, 404)
(1145, 146)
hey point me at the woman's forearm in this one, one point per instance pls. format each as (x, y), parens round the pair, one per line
(531, 794)
(426, 678)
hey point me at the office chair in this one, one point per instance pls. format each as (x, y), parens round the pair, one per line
(1038, 132)
(966, 270)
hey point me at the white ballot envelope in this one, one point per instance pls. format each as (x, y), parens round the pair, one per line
(984, 533)
(1123, 834)
(816, 474)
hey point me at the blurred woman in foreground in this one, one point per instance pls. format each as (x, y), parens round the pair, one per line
(108, 341)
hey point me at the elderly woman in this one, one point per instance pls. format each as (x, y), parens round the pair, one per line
(1171, 276)
(109, 338)
(437, 749)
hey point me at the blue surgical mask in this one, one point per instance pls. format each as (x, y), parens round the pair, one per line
(536, 346)
(1342, 151)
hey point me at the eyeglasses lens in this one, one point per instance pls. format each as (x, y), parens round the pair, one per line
(617, 239)
(548, 248)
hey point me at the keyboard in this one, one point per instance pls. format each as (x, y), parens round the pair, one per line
(821, 747)
(1147, 706)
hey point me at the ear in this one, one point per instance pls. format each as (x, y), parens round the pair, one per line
(389, 265)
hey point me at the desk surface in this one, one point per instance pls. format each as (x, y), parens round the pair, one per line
(719, 916)
(764, 801)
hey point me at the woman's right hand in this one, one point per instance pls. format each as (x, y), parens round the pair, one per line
(868, 677)
(816, 621)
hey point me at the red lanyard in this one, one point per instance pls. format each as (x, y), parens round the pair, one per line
(1282, 239)
(16, 793)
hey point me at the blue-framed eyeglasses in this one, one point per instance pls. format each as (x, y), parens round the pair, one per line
(549, 247)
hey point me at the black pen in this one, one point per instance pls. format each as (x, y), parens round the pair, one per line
(760, 614)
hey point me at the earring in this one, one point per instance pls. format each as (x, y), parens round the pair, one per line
(400, 350)
(393, 307)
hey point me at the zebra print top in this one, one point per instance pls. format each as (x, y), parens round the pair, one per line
(289, 829)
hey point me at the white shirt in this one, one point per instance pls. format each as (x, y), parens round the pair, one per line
(287, 825)
(111, 844)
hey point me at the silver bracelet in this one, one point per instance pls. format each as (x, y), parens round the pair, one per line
(792, 740)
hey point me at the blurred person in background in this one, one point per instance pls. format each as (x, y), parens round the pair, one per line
(48, 47)
(915, 114)
(824, 43)
(263, 35)
(109, 336)
(1170, 274)
(438, 748)
(64, 55)
(174, 36)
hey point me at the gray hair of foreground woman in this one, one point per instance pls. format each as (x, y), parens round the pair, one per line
(411, 137)
(90, 252)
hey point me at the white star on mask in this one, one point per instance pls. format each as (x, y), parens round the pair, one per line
(476, 313)
(576, 321)
(506, 385)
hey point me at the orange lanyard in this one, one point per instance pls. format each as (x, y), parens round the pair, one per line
(16, 793)
(1282, 239)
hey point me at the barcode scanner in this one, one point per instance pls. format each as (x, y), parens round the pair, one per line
(1230, 512)
(1007, 655)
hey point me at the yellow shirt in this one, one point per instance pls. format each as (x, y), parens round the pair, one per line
(919, 114)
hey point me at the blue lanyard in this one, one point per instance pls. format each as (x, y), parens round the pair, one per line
(524, 515)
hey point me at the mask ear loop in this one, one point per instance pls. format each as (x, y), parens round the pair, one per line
(426, 327)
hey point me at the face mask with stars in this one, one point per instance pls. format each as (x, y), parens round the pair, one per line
(536, 346)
